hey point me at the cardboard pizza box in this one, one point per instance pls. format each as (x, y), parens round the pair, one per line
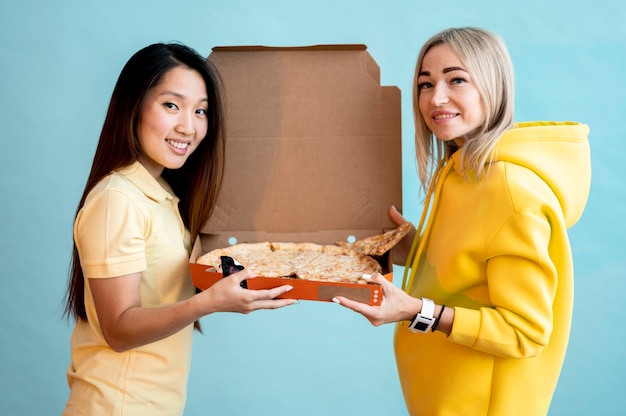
(313, 154)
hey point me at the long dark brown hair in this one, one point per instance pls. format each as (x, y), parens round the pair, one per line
(196, 183)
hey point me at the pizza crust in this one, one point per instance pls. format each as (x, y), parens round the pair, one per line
(378, 245)
(343, 262)
(306, 261)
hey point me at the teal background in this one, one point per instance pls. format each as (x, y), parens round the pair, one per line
(59, 61)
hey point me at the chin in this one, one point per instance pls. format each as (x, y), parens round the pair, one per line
(174, 166)
(444, 138)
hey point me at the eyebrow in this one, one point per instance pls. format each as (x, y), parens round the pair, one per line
(175, 94)
(445, 70)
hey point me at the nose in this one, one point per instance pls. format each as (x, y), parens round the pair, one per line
(185, 124)
(440, 95)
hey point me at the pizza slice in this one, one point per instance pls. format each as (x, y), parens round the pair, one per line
(378, 245)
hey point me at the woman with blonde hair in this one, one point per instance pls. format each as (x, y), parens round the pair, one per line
(484, 314)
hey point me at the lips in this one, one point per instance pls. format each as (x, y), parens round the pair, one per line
(178, 145)
(440, 115)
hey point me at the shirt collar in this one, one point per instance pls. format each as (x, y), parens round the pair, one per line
(156, 189)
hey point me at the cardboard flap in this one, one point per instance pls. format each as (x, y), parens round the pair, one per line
(313, 148)
(263, 48)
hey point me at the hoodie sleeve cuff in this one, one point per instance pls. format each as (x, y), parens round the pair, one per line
(466, 326)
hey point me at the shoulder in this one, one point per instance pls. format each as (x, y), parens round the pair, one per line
(116, 194)
(524, 189)
(113, 184)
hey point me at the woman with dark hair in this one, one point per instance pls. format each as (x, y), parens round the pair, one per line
(153, 184)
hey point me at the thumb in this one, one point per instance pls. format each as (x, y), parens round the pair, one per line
(395, 215)
(244, 274)
(379, 279)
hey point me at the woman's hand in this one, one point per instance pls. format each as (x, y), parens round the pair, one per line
(396, 304)
(227, 295)
(400, 252)
(126, 324)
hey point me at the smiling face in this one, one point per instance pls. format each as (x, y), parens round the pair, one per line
(448, 100)
(173, 120)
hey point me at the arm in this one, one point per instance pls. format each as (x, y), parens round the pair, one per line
(126, 324)
(522, 284)
(523, 281)
(396, 306)
(112, 225)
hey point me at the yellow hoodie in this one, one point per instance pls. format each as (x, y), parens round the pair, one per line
(497, 251)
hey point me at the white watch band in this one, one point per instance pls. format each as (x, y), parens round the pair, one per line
(425, 319)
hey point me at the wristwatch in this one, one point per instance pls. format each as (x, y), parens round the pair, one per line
(424, 320)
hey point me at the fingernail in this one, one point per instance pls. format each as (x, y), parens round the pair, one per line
(336, 300)
(367, 277)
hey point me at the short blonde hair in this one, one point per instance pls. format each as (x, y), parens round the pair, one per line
(487, 60)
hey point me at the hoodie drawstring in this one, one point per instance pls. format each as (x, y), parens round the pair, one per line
(419, 242)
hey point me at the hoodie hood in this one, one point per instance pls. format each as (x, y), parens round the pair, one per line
(559, 153)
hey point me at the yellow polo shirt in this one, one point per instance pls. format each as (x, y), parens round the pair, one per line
(130, 223)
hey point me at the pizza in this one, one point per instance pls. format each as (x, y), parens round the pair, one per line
(343, 262)
(306, 261)
(378, 245)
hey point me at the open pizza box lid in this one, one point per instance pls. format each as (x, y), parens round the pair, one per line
(313, 154)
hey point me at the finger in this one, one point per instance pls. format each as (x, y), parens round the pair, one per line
(359, 307)
(268, 294)
(374, 278)
(345, 302)
(395, 215)
(280, 290)
(383, 281)
(273, 303)
(242, 275)
(379, 279)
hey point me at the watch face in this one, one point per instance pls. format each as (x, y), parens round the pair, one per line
(421, 326)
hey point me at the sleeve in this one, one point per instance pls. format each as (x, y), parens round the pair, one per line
(522, 281)
(109, 234)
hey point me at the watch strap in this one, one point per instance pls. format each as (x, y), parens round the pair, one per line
(425, 319)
